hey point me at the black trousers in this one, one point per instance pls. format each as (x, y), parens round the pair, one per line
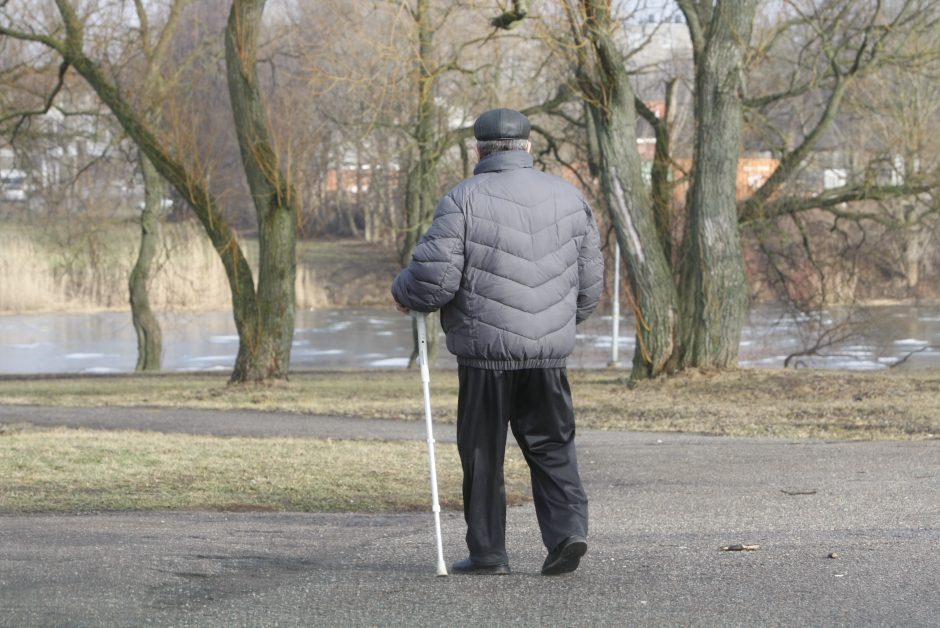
(536, 403)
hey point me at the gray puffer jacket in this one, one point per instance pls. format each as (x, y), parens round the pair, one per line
(513, 262)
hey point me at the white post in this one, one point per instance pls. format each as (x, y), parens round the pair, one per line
(615, 311)
(422, 322)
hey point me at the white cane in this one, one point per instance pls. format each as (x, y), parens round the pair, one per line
(421, 320)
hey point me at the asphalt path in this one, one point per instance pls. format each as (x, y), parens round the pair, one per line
(662, 506)
(227, 423)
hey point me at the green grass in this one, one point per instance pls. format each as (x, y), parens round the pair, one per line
(79, 470)
(748, 402)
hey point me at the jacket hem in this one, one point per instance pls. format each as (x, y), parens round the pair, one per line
(513, 365)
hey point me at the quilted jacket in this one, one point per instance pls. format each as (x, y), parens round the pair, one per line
(513, 261)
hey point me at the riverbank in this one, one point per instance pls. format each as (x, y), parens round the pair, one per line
(86, 270)
(84, 267)
(791, 403)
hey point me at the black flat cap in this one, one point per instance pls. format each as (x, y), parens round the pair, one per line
(501, 124)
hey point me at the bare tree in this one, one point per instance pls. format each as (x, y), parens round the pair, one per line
(155, 47)
(691, 295)
(824, 49)
(270, 316)
(604, 84)
(263, 317)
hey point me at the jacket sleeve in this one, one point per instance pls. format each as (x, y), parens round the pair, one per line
(590, 269)
(433, 276)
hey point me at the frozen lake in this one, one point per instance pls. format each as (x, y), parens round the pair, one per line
(105, 342)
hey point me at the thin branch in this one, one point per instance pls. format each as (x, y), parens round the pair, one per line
(47, 105)
(51, 42)
(144, 28)
(829, 337)
(758, 102)
(563, 95)
(648, 114)
(907, 357)
(560, 113)
(556, 152)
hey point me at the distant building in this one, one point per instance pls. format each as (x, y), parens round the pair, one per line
(12, 185)
(12, 179)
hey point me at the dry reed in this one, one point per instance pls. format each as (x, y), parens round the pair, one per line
(42, 272)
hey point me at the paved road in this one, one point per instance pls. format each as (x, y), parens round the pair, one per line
(661, 506)
(228, 423)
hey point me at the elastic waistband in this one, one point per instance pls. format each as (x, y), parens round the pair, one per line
(513, 365)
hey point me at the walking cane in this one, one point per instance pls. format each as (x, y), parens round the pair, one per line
(421, 319)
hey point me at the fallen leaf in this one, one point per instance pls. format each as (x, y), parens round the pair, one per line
(740, 547)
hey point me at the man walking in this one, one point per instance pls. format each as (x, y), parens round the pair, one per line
(512, 260)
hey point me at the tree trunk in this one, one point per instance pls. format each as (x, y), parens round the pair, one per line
(420, 201)
(592, 149)
(269, 357)
(661, 175)
(915, 243)
(614, 115)
(421, 189)
(267, 319)
(362, 200)
(421, 185)
(713, 286)
(149, 336)
(155, 48)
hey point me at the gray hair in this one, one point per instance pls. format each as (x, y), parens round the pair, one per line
(488, 147)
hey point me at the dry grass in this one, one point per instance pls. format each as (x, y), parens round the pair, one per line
(826, 404)
(751, 402)
(78, 470)
(87, 267)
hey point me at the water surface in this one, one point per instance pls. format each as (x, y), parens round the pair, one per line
(368, 338)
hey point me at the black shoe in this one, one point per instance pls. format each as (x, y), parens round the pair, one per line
(565, 557)
(467, 566)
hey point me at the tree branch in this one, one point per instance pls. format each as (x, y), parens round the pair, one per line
(695, 23)
(758, 102)
(831, 199)
(866, 56)
(908, 356)
(792, 160)
(51, 42)
(554, 149)
(144, 29)
(50, 99)
(648, 114)
(563, 95)
(159, 51)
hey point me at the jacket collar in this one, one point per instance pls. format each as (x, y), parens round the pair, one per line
(504, 160)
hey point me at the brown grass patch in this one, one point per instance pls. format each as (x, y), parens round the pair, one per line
(80, 470)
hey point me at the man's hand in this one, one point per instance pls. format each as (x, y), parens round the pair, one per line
(401, 308)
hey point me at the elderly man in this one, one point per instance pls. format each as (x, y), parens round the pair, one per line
(512, 260)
